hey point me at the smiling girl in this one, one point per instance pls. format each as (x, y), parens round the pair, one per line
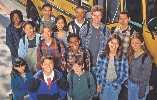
(111, 69)
(28, 45)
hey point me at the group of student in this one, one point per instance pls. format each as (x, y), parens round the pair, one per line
(76, 61)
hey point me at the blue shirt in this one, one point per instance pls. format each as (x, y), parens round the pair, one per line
(102, 66)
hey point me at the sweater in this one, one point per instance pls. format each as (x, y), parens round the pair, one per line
(80, 89)
(140, 73)
(16, 82)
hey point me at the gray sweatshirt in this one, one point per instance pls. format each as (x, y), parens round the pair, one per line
(140, 74)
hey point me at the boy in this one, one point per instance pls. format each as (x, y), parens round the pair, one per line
(81, 82)
(52, 46)
(47, 18)
(44, 85)
(75, 50)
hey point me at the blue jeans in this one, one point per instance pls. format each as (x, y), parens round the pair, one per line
(133, 91)
(109, 92)
(93, 69)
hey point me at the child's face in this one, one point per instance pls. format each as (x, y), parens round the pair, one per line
(46, 34)
(46, 11)
(29, 30)
(113, 45)
(48, 65)
(77, 68)
(60, 24)
(16, 19)
(136, 44)
(74, 43)
(20, 69)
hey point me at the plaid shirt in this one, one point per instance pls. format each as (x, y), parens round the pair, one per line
(86, 39)
(71, 54)
(52, 49)
(125, 37)
(102, 66)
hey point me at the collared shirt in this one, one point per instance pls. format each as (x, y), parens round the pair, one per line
(52, 49)
(71, 55)
(125, 37)
(121, 68)
(86, 39)
(51, 76)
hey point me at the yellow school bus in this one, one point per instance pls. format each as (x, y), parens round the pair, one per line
(140, 12)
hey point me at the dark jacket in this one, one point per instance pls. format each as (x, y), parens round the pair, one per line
(12, 39)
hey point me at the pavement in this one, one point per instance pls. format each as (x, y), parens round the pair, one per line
(5, 57)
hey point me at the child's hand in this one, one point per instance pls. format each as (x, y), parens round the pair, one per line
(151, 87)
(98, 88)
(126, 86)
(26, 96)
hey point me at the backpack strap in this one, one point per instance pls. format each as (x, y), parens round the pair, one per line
(23, 38)
(73, 24)
(58, 45)
(143, 58)
(84, 57)
(40, 46)
(88, 79)
(112, 30)
(71, 77)
(88, 26)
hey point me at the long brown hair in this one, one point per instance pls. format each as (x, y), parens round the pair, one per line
(130, 50)
(119, 52)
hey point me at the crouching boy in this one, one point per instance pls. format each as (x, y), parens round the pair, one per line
(81, 82)
(45, 84)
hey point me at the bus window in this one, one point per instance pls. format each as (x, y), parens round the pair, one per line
(111, 11)
(150, 8)
(134, 8)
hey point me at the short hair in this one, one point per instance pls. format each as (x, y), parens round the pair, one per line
(77, 60)
(73, 35)
(18, 12)
(47, 5)
(30, 23)
(125, 12)
(97, 8)
(50, 57)
(79, 7)
(18, 62)
(42, 27)
(65, 28)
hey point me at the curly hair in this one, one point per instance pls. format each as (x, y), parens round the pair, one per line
(97, 8)
(18, 12)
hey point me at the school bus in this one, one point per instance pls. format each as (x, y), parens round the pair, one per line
(140, 12)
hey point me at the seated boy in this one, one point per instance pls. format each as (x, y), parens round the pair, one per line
(45, 83)
(81, 82)
(75, 50)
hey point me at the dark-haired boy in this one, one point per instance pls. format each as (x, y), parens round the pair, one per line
(47, 17)
(45, 83)
(75, 50)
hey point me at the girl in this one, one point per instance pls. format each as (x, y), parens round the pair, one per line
(20, 75)
(140, 68)
(111, 69)
(28, 45)
(61, 29)
(14, 32)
